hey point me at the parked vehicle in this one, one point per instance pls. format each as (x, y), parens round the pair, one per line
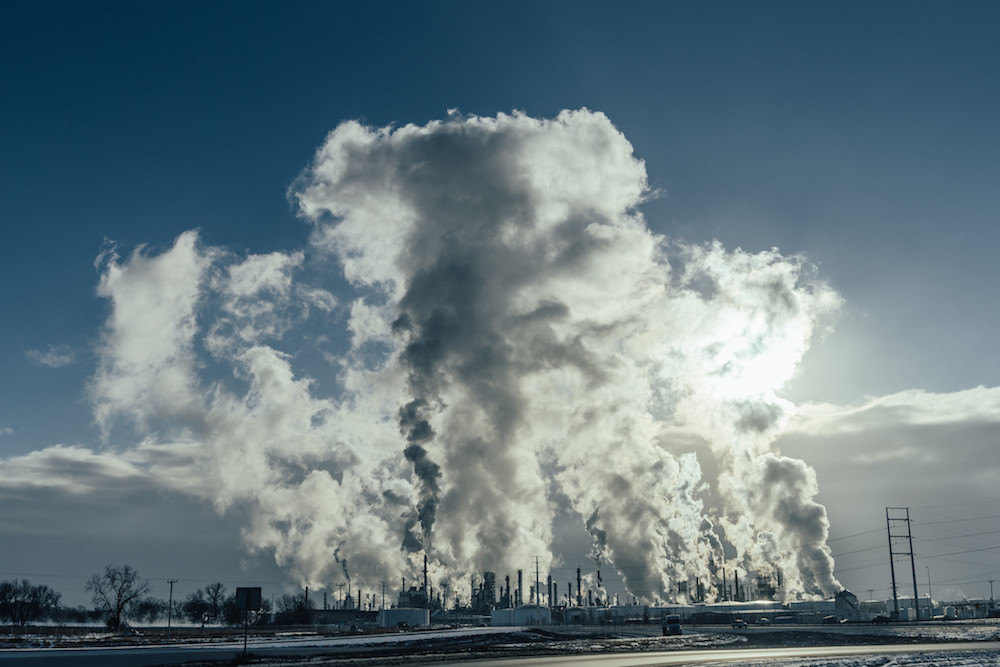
(763, 620)
(739, 623)
(672, 625)
(881, 619)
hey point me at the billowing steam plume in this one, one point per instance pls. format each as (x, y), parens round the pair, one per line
(518, 338)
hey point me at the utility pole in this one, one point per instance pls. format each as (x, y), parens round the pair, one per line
(170, 606)
(991, 592)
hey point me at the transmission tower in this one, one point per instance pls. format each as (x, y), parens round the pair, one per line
(896, 519)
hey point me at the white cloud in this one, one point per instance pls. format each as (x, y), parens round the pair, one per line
(147, 369)
(72, 468)
(53, 356)
(907, 408)
(6, 430)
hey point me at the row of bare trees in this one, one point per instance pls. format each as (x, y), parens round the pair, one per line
(22, 603)
(118, 594)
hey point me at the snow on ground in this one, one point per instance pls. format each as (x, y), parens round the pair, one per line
(958, 659)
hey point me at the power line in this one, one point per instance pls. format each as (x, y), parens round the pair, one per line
(975, 518)
(858, 551)
(957, 536)
(967, 551)
(844, 537)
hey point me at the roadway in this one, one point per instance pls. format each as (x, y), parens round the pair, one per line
(728, 656)
(177, 654)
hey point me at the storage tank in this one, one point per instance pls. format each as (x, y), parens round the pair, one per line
(404, 617)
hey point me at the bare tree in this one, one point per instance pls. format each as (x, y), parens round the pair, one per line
(215, 595)
(196, 607)
(148, 609)
(294, 609)
(21, 602)
(115, 590)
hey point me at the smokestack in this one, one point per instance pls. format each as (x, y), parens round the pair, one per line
(569, 593)
(538, 589)
(579, 590)
(520, 589)
(736, 585)
(548, 589)
(554, 600)
(426, 590)
(506, 578)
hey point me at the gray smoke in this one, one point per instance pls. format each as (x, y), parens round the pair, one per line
(417, 430)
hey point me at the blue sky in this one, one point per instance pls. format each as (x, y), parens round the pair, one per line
(861, 135)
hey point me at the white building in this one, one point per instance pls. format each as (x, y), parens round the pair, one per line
(526, 614)
(906, 611)
(404, 617)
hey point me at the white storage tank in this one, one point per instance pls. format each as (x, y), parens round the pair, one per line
(404, 617)
(526, 614)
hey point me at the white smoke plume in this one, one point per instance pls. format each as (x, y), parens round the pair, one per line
(518, 335)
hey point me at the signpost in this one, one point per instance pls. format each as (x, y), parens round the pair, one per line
(247, 599)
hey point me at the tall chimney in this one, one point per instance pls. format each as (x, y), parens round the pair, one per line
(520, 589)
(579, 590)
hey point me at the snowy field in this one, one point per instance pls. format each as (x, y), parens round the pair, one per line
(957, 659)
(448, 645)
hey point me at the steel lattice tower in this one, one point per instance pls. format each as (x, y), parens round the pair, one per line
(895, 517)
